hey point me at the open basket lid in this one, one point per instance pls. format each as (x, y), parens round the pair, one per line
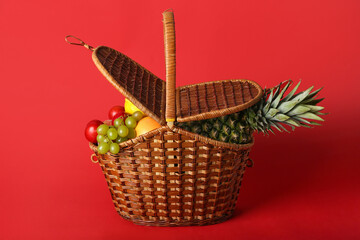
(215, 99)
(193, 102)
(145, 90)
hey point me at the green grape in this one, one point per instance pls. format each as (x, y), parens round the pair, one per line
(100, 138)
(102, 129)
(118, 122)
(130, 122)
(121, 139)
(131, 133)
(106, 140)
(123, 131)
(138, 115)
(114, 148)
(103, 148)
(112, 133)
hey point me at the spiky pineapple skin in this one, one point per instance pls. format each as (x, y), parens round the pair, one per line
(231, 128)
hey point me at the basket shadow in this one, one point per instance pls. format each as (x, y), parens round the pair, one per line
(280, 169)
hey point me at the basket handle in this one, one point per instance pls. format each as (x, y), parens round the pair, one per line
(170, 61)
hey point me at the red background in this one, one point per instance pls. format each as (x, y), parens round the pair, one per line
(305, 185)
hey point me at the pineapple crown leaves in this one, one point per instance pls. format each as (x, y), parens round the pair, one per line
(276, 109)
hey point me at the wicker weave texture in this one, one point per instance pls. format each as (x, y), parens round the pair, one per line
(214, 99)
(136, 83)
(171, 179)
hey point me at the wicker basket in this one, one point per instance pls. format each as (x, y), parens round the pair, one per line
(171, 177)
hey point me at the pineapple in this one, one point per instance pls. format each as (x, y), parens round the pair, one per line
(274, 110)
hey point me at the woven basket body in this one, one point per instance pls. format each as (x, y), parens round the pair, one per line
(172, 179)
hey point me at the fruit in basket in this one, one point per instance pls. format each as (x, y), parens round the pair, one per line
(121, 139)
(130, 108)
(116, 110)
(117, 122)
(100, 138)
(103, 147)
(114, 148)
(119, 115)
(102, 129)
(106, 139)
(108, 135)
(132, 133)
(112, 133)
(138, 115)
(274, 110)
(145, 125)
(130, 122)
(90, 130)
(123, 131)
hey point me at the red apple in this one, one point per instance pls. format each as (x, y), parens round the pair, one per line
(116, 110)
(90, 130)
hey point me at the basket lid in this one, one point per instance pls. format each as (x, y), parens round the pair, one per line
(215, 99)
(193, 102)
(145, 90)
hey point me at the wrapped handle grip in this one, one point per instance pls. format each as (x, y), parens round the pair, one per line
(170, 61)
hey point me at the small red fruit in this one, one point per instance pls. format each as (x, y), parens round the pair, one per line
(116, 110)
(90, 130)
(123, 116)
